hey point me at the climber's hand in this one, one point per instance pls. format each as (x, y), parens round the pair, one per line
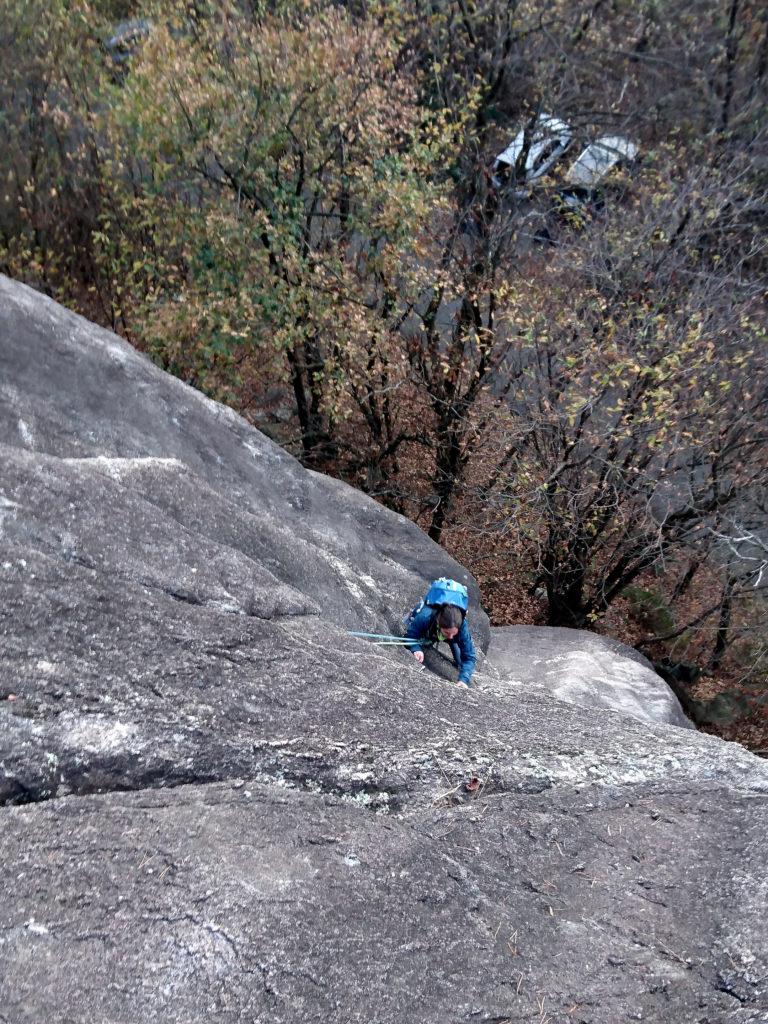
(419, 656)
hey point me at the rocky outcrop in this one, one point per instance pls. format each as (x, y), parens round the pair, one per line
(586, 669)
(311, 828)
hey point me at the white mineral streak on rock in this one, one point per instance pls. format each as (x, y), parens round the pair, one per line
(97, 734)
(230, 607)
(25, 432)
(118, 467)
(348, 577)
(579, 672)
(7, 509)
(252, 449)
(583, 669)
(398, 568)
(35, 927)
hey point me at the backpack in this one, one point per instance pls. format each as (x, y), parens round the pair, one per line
(442, 591)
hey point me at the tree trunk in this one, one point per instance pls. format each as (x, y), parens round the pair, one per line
(566, 607)
(447, 471)
(723, 626)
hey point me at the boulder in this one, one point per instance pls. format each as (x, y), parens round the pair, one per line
(584, 668)
(221, 807)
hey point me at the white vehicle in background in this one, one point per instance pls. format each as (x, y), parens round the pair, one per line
(593, 164)
(533, 153)
(126, 38)
(536, 148)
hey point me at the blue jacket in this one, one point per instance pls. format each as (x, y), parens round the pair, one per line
(423, 627)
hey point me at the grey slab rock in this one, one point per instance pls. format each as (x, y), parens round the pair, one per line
(318, 829)
(245, 902)
(74, 391)
(584, 668)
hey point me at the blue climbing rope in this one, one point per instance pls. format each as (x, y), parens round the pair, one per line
(385, 638)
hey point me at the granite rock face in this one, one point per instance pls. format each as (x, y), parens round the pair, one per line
(190, 479)
(586, 669)
(221, 807)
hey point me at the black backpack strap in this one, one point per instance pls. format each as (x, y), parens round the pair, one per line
(433, 626)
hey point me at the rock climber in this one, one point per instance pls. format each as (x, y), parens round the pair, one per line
(441, 615)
